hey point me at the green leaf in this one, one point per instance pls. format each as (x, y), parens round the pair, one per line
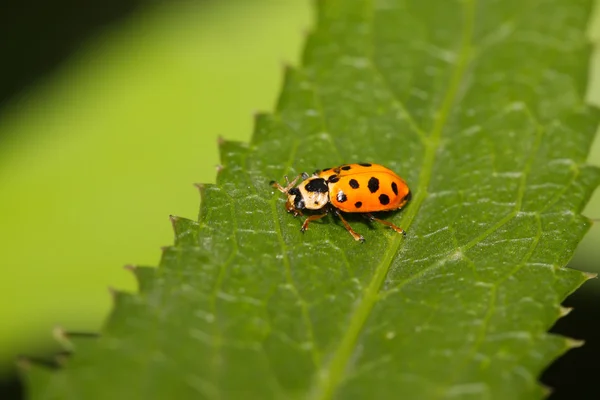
(479, 105)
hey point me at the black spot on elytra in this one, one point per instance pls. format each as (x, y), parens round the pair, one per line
(346, 168)
(317, 185)
(325, 169)
(395, 188)
(373, 184)
(341, 197)
(333, 178)
(358, 204)
(384, 199)
(353, 184)
(408, 196)
(365, 164)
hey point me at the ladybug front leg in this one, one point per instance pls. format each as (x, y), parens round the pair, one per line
(355, 235)
(310, 219)
(371, 217)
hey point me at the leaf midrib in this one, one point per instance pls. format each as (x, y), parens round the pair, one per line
(330, 375)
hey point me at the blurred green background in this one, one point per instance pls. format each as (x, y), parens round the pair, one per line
(98, 153)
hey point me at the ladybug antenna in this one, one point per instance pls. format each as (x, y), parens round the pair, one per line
(288, 186)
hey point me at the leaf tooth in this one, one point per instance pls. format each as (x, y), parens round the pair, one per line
(202, 190)
(564, 311)
(186, 231)
(231, 148)
(23, 363)
(590, 275)
(31, 369)
(55, 361)
(262, 123)
(60, 336)
(144, 277)
(231, 153)
(261, 117)
(546, 391)
(168, 254)
(67, 342)
(211, 196)
(289, 82)
(573, 343)
(130, 267)
(70, 340)
(118, 295)
(113, 292)
(124, 304)
(268, 128)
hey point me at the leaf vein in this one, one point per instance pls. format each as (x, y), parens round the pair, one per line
(331, 374)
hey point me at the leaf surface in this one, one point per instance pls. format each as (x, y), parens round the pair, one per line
(479, 106)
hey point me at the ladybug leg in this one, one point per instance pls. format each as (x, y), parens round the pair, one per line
(288, 187)
(355, 235)
(371, 217)
(291, 209)
(310, 219)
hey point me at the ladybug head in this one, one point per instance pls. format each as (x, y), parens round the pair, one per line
(295, 200)
(311, 194)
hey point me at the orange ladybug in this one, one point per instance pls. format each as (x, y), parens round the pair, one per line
(352, 188)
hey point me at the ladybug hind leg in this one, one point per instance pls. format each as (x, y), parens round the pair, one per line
(355, 235)
(371, 217)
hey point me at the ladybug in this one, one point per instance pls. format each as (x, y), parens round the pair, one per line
(351, 188)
